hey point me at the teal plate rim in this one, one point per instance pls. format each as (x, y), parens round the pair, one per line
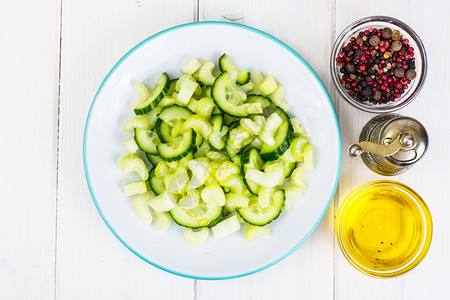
(86, 171)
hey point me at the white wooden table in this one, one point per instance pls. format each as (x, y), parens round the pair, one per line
(54, 55)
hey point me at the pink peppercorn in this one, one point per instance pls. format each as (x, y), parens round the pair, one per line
(362, 58)
(410, 49)
(382, 49)
(406, 41)
(362, 68)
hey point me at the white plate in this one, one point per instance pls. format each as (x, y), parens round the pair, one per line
(103, 146)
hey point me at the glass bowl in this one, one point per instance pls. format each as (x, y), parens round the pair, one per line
(384, 228)
(420, 56)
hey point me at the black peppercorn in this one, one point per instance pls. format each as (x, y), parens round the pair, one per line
(359, 52)
(348, 85)
(399, 72)
(386, 33)
(374, 40)
(367, 92)
(396, 45)
(377, 95)
(350, 67)
(410, 74)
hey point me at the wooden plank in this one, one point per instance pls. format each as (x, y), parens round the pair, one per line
(29, 59)
(91, 262)
(307, 27)
(429, 177)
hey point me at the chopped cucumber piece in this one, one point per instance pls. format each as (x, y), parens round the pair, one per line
(199, 216)
(147, 140)
(256, 215)
(228, 97)
(156, 95)
(283, 137)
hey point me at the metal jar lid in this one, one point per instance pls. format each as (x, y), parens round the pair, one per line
(412, 136)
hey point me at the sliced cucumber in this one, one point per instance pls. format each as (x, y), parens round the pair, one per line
(256, 215)
(147, 140)
(250, 159)
(228, 97)
(226, 65)
(289, 168)
(156, 184)
(202, 215)
(283, 138)
(178, 148)
(163, 130)
(174, 114)
(217, 122)
(156, 95)
(243, 77)
(265, 102)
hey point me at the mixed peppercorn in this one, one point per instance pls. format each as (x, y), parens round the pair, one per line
(377, 65)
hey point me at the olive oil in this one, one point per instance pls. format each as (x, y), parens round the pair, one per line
(384, 228)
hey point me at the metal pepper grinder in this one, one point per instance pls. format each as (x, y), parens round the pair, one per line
(390, 144)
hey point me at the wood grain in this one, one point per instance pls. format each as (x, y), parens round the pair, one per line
(29, 60)
(429, 177)
(308, 272)
(91, 262)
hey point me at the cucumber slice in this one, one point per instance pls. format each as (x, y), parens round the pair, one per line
(200, 216)
(256, 215)
(243, 77)
(228, 97)
(163, 131)
(156, 95)
(174, 114)
(147, 140)
(225, 65)
(178, 148)
(217, 122)
(250, 159)
(156, 184)
(288, 169)
(265, 102)
(283, 138)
